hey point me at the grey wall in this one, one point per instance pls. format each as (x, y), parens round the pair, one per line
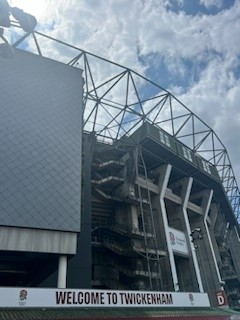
(40, 143)
(80, 266)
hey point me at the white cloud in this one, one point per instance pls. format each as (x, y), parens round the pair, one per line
(211, 3)
(188, 36)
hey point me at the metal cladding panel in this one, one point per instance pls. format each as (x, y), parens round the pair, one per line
(40, 143)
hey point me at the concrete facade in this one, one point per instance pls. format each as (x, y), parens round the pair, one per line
(156, 219)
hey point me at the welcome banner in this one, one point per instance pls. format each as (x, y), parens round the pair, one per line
(56, 298)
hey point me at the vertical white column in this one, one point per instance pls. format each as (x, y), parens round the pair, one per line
(206, 207)
(185, 199)
(235, 228)
(165, 174)
(62, 272)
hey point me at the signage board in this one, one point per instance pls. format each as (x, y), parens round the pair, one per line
(221, 298)
(57, 298)
(178, 241)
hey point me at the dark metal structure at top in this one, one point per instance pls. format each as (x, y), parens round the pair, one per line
(118, 100)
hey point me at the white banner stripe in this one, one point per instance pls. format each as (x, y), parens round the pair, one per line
(39, 297)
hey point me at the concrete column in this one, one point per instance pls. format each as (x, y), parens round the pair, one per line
(214, 214)
(235, 228)
(134, 216)
(162, 184)
(206, 206)
(185, 198)
(62, 272)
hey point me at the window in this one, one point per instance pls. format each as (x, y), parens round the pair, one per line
(164, 138)
(187, 154)
(206, 166)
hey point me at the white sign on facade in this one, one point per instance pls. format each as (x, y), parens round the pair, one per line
(178, 241)
(33, 297)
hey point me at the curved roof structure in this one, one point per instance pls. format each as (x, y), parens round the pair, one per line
(118, 100)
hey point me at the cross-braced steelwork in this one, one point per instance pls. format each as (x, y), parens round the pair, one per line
(118, 100)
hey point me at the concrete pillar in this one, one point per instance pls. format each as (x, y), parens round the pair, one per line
(185, 198)
(162, 184)
(62, 272)
(206, 206)
(236, 231)
(214, 214)
(134, 216)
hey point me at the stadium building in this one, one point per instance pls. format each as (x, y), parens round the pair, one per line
(109, 182)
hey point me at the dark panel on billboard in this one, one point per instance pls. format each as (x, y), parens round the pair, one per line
(40, 143)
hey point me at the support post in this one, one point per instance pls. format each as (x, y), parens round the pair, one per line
(185, 199)
(162, 184)
(206, 207)
(62, 272)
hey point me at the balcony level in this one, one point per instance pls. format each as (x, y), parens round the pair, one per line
(158, 148)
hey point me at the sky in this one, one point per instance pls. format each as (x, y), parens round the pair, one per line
(189, 47)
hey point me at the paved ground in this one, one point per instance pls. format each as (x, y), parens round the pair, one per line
(118, 314)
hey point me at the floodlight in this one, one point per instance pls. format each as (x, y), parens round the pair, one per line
(26, 20)
(4, 14)
(6, 51)
(196, 234)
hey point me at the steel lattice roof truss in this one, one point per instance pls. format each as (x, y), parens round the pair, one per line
(118, 100)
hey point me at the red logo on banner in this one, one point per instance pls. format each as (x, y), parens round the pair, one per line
(23, 297)
(191, 298)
